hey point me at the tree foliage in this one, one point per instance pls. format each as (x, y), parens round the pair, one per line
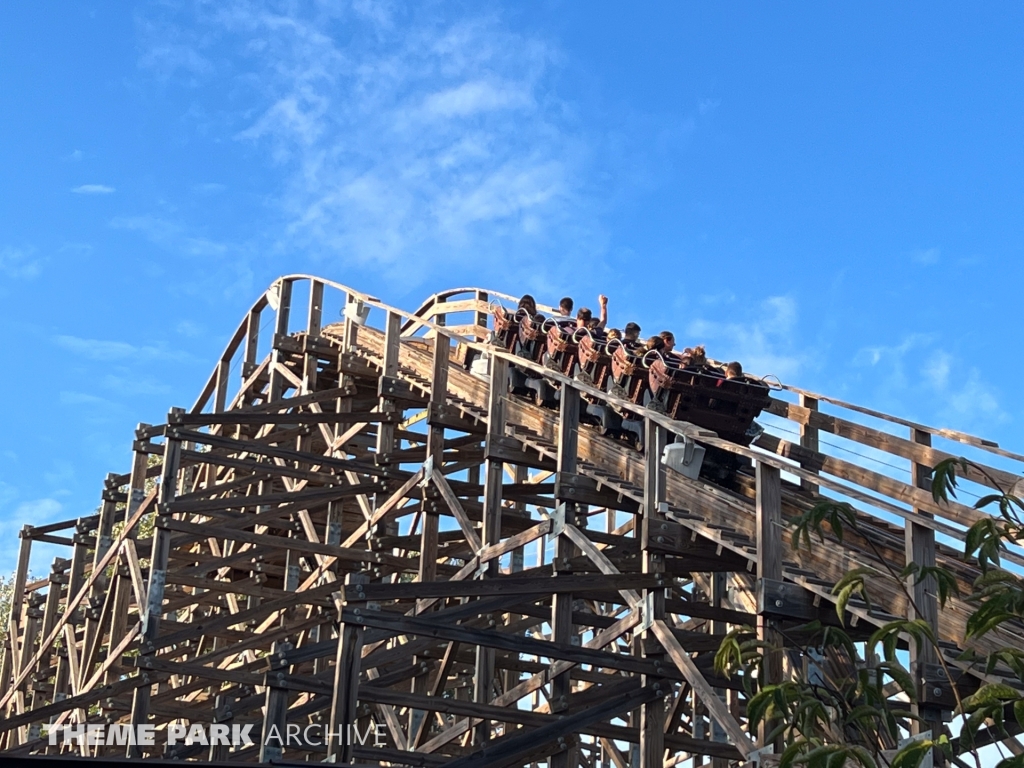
(851, 706)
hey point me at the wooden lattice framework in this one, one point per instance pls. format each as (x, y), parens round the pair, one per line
(362, 531)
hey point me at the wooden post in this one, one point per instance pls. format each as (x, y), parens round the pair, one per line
(809, 438)
(79, 556)
(919, 545)
(220, 399)
(54, 592)
(316, 308)
(480, 318)
(483, 675)
(123, 587)
(351, 332)
(344, 712)
(252, 341)
(94, 620)
(280, 331)
(565, 550)
(314, 321)
(769, 566)
(719, 596)
(275, 725)
(392, 348)
(652, 714)
(430, 517)
(157, 576)
(12, 659)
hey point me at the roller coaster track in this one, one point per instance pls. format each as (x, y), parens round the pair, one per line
(349, 529)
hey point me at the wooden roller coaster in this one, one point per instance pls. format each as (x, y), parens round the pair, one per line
(349, 529)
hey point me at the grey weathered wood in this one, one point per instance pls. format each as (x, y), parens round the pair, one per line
(483, 675)
(344, 699)
(562, 630)
(252, 340)
(808, 438)
(769, 564)
(919, 543)
(277, 378)
(157, 579)
(275, 717)
(652, 713)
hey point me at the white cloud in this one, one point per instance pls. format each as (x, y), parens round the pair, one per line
(108, 351)
(764, 342)
(208, 188)
(19, 263)
(93, 189)
(36, 512)
(189, 329)
(74, 156)
(915, 372)
(126, 385)
(170, 235)
(707, 106)
(406, 139)
(477, 96)
(82, 398)
(936, 370)
(926, 256)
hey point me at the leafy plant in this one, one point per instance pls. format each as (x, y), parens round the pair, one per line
(853, 707)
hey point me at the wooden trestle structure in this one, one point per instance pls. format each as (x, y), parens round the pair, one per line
(349, 528)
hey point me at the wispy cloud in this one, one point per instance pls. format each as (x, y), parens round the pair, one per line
(915, 372)
(108, 351)
(170, 235)
(35, 512)
(926, 256)
(93, 189)
(68, 397)
(762, 338)
(405, 138)
(189, 328)
(208, 188)
(19, 263)
(126, 385)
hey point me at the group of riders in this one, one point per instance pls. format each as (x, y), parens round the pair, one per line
(583, 346)
(664, 343)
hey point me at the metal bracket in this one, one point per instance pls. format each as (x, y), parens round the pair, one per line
(557, 521)
(646, 612)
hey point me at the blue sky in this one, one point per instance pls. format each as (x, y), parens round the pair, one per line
(828, 192)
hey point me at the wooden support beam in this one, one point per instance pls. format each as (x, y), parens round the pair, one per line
(562, 629)
(252, 341)
(344, 699)
(517, 746)
(157, 579)
(430, 519)
(652, 713)
(483, 674)
(924, 662)
(275, 711)
(768, 504)
(277, 369)
(809, 440)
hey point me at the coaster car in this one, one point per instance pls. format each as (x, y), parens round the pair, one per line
(703, 396)
(595, 352)
(629, 372)
(563, 347)
(506, 327)
(532, 334)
